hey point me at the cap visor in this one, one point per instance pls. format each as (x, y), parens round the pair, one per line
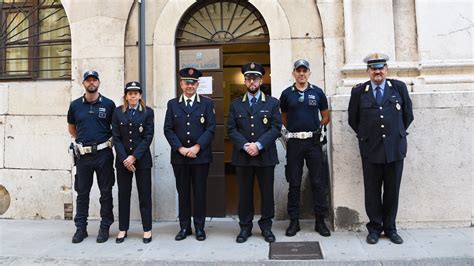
(302, 65)
(376, 65)
(91, 76)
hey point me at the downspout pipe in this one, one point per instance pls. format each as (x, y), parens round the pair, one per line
(142, 47)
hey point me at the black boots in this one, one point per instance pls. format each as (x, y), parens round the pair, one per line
(293, 228)
(320, 226)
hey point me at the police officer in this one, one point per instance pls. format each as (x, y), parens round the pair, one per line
(301, 104)
(89, 119)
(189, 128)
(253, 125)
(132, 129)
(380, 112)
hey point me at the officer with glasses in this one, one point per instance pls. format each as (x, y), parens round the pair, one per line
(380, 111)
(253, 125)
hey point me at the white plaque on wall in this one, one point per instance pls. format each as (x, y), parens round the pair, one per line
(202, 59)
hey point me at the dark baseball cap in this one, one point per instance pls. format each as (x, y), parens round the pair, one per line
(299, 63)
(91, 73)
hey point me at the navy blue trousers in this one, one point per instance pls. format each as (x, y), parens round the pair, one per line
(299, 151)
(102, 164)
(381, 207)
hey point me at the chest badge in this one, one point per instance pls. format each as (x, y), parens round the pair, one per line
(398, 106)
(140, 129)
(265, 120)
(202, 120)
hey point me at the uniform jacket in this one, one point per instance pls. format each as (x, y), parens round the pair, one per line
(132, 135)
(186, 127)
(263, 125)
(381, 130)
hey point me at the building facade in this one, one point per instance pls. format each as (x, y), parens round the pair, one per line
(429, 43)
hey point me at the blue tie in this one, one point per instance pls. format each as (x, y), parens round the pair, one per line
(131, 112)
(188, 103)
(252, 103)
(378, 95)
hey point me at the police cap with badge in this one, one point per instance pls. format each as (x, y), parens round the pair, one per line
(376, 60)
(133, 86)
(253, 69)
(91, 73)
(190, 75)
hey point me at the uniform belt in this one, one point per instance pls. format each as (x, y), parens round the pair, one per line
(93, 148)
(301, 135)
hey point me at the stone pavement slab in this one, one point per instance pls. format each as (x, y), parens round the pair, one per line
(48, 242)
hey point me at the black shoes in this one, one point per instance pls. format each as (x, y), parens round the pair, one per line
(268, 236)
(79, 235)
(293, 228)
(373, 238)
(200, 234)
(119, 240)
(147, 240)
(320, 227)
(182, 234)
(103, 235)
(243, 235)
(395, 238)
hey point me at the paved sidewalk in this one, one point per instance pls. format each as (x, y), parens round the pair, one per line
(48, 242)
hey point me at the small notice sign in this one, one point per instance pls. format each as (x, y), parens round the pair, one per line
(205, 85)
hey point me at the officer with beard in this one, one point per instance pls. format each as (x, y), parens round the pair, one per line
(253, 125)
(89, 121)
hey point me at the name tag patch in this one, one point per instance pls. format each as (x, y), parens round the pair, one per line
(102, 109)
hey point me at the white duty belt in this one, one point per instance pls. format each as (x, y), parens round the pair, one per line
(94, 148)
(299, 135)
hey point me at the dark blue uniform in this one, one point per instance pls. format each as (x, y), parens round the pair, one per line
(132, 135)
(303, 110)
(185, 127)
(92, 121)
(381, 131)
(262, 125)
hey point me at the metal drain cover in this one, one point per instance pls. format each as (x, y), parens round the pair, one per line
(295, 251)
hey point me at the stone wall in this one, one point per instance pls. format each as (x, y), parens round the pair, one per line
(436, 187)
(429, 43)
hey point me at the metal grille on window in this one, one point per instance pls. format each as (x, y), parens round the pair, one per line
(35, 40)
(222, 22)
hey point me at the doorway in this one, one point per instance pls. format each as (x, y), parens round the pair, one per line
(236, 55)
(218, 37)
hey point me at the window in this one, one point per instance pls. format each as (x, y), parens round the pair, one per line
(223, 22)
(35, 40)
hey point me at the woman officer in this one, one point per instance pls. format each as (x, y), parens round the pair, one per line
(133, 129)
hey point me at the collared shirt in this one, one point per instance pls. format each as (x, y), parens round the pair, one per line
(92, 119)
(382, 87)
(303, 107)
(250, 96)
(192, 98)
(135, 108)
